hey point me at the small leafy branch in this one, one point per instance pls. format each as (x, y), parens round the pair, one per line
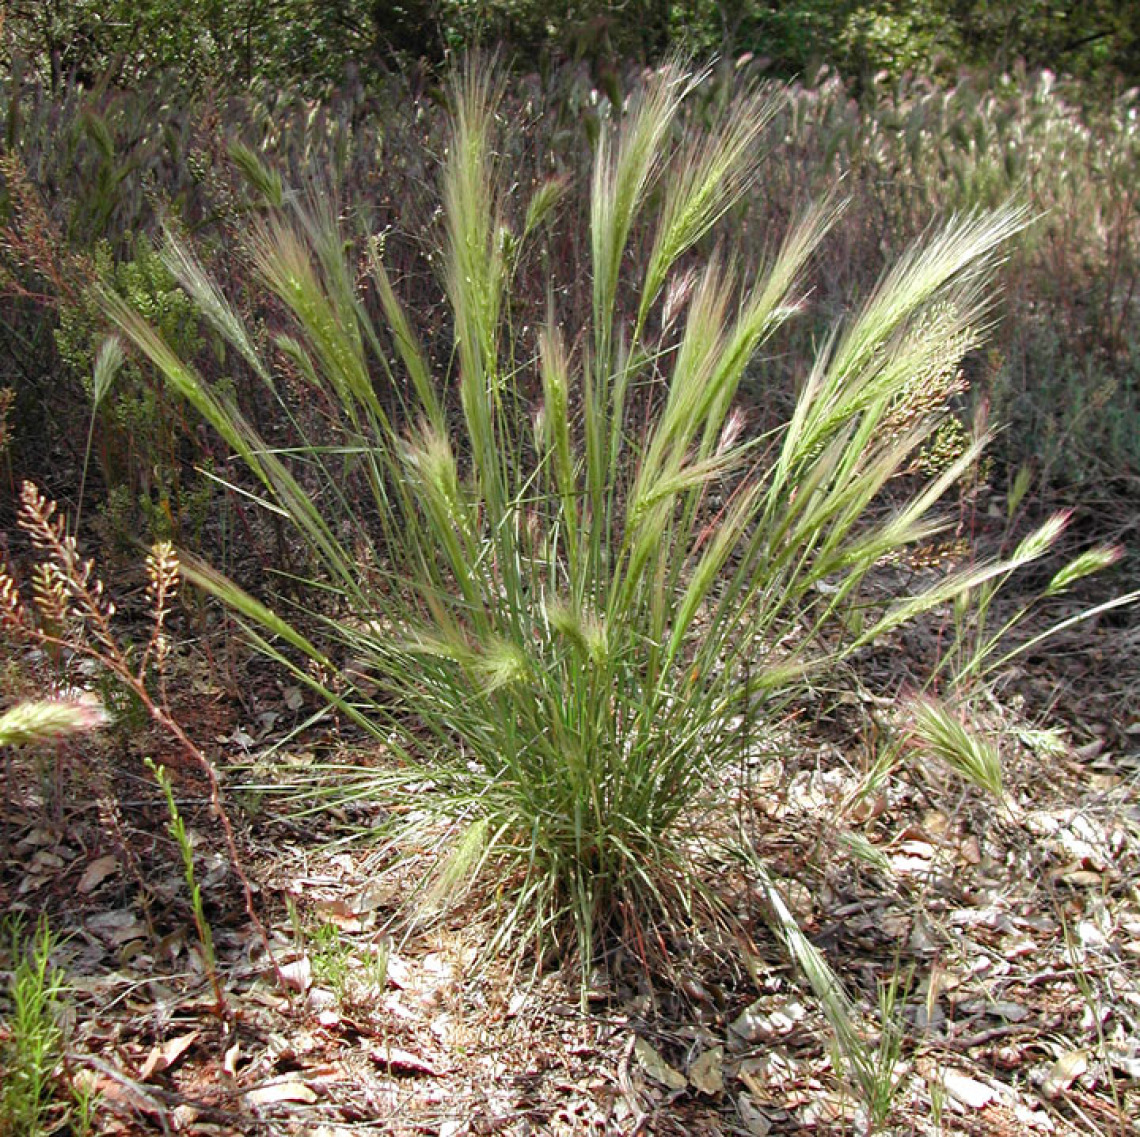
(34, 1036)
(71, 613)
(31, 1046)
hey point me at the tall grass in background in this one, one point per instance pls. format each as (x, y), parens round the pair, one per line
(1063, 372)
(1062, 365)
(563, 571)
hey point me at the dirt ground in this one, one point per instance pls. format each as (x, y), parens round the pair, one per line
(1013, 931)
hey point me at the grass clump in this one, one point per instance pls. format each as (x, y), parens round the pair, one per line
(562, 569)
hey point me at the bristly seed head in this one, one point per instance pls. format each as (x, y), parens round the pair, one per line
(731, 431)
(49, 719)
(677, 296)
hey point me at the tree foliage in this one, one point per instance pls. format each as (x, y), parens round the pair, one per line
(314, 43)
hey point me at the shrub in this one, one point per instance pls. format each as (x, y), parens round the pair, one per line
(141, 435)
(567, 574)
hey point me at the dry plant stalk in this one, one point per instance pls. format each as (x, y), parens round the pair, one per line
(7, 400)
(34, 244)
(71, 612)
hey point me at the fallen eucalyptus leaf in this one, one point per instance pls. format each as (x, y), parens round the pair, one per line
(967, 1091)
(164, 1056)
(402, 1063)
(1064, 1072)
(656, 1066)
(757, 1123)
(298, 975)
(707, 1072)
(288, 1090)
(97, 872)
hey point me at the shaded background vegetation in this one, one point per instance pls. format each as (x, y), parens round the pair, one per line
(317, 42)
